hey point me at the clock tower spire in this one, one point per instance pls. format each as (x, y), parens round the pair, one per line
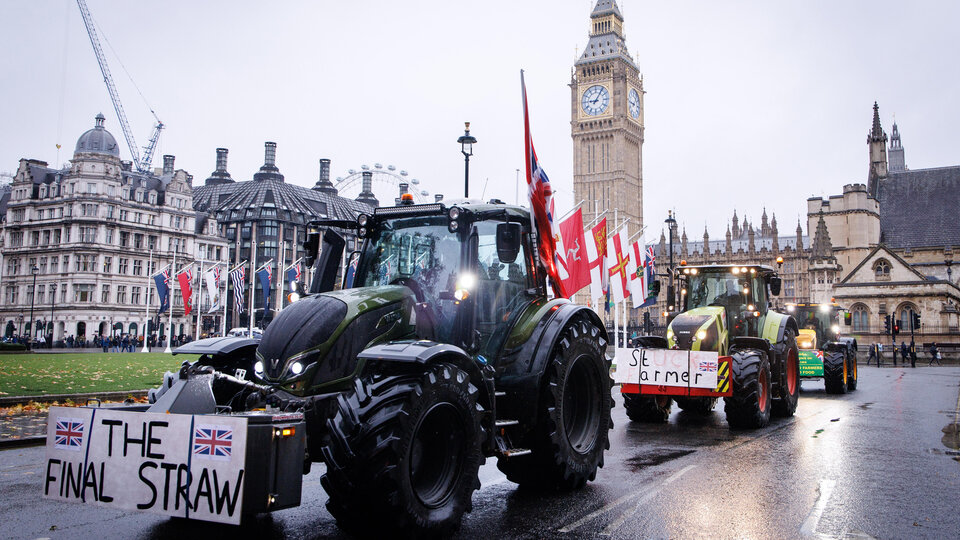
(606, 122)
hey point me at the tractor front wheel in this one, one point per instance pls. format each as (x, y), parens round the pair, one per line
(835, 372)
(702, 405)
(749, 406)
(404, 448)
(648, 409)
(574, 416)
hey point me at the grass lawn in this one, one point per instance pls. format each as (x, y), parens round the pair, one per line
(38, 374)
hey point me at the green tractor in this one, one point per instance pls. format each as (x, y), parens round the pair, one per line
(724, 309)
(444, 350)
(824, 352)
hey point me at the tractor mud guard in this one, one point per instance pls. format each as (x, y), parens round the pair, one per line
(429, 352)
(220, 346)
(744, 342)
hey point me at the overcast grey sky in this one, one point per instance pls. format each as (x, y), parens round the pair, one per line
(749, 103)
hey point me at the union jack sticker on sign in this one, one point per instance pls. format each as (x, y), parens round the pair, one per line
(212, 442)
(69, 434)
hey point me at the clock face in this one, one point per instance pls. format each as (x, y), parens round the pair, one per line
(595, 100)
(633, 103)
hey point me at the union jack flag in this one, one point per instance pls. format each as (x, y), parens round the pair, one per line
(69, 434)
(216, 276)
(541, 203)
(213, 442)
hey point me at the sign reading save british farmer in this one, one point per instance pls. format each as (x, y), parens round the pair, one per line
(667, 367)
(190, 466)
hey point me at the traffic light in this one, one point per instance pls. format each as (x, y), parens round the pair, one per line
(916, 321)
(886, 324)
(896, 327)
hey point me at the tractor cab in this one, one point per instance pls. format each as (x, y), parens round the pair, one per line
(819, 323)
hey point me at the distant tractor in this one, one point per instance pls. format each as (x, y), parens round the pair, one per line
(726, 342)
(824, 352)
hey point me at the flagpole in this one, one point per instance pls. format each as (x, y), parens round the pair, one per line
(253, 262)
(173, 269)
(283, 253)
(224, 299)
(572, 210)
(610, 283)
(199, 303)
(596, 220)
(146, 326)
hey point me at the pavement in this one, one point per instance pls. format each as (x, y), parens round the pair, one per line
(880, 462)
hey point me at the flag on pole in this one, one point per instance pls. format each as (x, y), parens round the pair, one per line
(574, 255)
(185, 278)
(541, 203)
(265, 276)
(648, 266)
(352, 271)
(596, 259)
(239, 279)
(213, 289)
(618, 263)
(162, 281)
(293, 276)
(638, 273)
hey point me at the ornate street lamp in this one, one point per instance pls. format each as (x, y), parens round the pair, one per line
(33, 296)
(672, 227)
(466, 148)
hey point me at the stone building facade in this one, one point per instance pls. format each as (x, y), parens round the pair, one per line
(91, 235)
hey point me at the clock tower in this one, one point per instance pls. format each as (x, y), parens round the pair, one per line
(606, 123)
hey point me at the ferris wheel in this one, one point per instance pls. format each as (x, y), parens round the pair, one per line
(385, 186)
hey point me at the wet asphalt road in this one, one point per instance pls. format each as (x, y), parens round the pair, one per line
(872, 463)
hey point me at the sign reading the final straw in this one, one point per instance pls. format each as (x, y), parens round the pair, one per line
(667, 367)
(171, 464)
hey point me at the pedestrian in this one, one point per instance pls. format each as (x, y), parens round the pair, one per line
(105, 342)
(913, 353)
(872, 355)
(904, 352)
(934, 354)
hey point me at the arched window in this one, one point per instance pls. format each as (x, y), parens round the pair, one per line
(881, 269)
(905, 315)
(861, 318)
(133, 329)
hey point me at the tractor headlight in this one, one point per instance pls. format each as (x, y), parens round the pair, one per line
(702, 335)
(791, 308)
(835, 328)
(362, 220)
(453, 226)
(824, 308)
(454, 213)
(465, 283)
(258, 368)
(296, 368)
(362, 232)
(669, 334)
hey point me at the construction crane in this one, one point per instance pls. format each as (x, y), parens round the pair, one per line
(141, 163)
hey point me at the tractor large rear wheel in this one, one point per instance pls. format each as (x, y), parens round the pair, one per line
(574, 416)
(749, 406)
(835, 372)
(648, 409)
(852, 370)
(786, 404)
(403, 451)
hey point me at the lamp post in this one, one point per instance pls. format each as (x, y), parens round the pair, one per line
(33, 296)
(53, 300)
(20, 325)
(671, 227)
(466, 148)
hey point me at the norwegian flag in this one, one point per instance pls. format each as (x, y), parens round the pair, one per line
(541, 203)
(212, 442)
(69, 434)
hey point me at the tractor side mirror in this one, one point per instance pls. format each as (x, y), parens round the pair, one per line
(847, 318)
(655, 288)
(508, 242)
(775, 284)
(325, 275)
(311, 248)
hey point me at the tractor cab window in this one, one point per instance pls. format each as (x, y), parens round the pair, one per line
(716, 289)
(500, 295)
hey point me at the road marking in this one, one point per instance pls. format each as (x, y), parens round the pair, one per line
(810, 525)
(615, 524)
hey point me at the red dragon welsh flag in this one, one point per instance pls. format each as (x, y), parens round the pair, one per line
(541, 203)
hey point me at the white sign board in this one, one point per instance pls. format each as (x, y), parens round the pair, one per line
(667, 367)
(171, 464)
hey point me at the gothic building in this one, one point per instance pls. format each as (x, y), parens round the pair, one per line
(90, 235)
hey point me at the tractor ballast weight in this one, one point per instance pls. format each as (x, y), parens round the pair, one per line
(444, 350)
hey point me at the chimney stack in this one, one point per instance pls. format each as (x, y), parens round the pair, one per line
(366, 195)
(222, 160)
(270, 154)
(324, 185)
(168, 164)
(269, 170)
(220, 176)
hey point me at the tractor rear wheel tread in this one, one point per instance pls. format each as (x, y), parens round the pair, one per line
(786, 404)
(573, 419)
(647, 409)
(851, 371)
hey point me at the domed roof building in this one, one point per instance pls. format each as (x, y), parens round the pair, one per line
(98, 140)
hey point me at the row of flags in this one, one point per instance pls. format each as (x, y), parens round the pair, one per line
(613, 268)
(212, 280)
